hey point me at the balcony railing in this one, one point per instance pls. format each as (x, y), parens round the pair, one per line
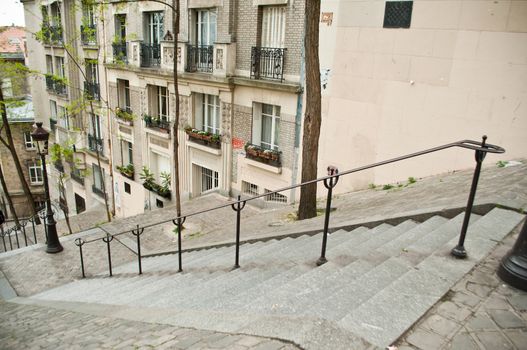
(59, 165)
(157, 123)
(200, 58)
(267, 63)
(75, 175)
(92, 91)
(95, 143)
(97, 190)
(150, 55)
(52, 34)
(120, 52)
(56, 86)
(89, 34)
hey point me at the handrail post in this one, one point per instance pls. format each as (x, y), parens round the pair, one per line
(137, 232)
(107, 240)
(238, 208)
(10, 242)
(3, 237)
(23, 225)
(332, 171)
(42, 215)
(459, 250)
(16, 235)
(34, 231)
(80, 242)
(179, 223)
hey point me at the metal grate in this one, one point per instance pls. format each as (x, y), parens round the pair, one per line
(275, 197)
(398, 14)
(249, 188)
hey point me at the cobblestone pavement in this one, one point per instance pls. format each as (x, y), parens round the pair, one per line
(36, 327)
(480, 312)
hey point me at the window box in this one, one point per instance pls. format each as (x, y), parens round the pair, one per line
(263, 155)
(152, 186)
(125, 115)
(77, 176)
(204, 137)
(157, 123)
(127, 171)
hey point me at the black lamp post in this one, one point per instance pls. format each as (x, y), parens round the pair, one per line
(513, 267)
(41, 136)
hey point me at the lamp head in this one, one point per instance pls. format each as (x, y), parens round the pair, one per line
(41, 137)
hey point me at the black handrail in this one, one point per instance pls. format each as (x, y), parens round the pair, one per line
(21, 228)
(330, 181)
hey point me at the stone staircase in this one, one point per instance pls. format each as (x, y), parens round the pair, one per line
(377, 284)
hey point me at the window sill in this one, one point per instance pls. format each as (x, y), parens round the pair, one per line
(204, 148)
(266, 167)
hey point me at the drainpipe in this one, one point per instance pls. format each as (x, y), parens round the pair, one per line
(298, 118)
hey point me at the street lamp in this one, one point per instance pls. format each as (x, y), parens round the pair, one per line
(41, 136)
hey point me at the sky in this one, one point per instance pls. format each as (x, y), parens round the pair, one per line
(11, 11)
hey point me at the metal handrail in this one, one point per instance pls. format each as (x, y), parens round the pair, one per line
(21, 227)
(330, 181)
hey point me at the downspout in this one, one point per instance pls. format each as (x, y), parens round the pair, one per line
(298, 117)
(108, 112)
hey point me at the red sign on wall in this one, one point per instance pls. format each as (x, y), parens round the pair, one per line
(237, 143)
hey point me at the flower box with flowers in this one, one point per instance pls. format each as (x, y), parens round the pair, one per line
(125, 116)
(204, 137)
(263, 155)
(127, 171)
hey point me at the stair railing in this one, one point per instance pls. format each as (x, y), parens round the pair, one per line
(7, 233)
(330, 181)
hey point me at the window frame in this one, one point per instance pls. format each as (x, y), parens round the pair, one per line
(28, 142)
(211, 123)
(35, 172)
(273, 143)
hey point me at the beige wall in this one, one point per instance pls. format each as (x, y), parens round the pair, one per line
(459, 71)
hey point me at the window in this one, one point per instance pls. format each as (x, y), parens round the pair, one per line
(206, 27)
(159, 102)
(209, 180)
(88, 14)
(273, 26)
(249, 188)
(63, 117)
(266, 125)
(28, 141)
(98, 178)
(123, 94)
(35, 172)
(159, 163)
(53, 109)
(120, 28)
(49, 64)
(270, 126)
(127, 188)
(207, 113)
(275, 197)
(95, 124)
(127, 152)
(59, 66)
(92, 74)
(398, 14)
(154, 27)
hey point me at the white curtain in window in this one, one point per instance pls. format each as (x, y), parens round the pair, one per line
(273, 26)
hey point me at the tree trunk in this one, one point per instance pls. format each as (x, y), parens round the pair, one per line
(63, 203)
(9, 201)
(175, 29)
(11, 146)
(312, 119)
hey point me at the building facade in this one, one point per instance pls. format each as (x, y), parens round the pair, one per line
(239, 97)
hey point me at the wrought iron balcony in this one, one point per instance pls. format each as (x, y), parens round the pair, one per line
(56, 86)
(157, 123)
(120, 52)
(89, 34)
(60, 88)
(52, 34)
(150, 55)
(97, 190)
(200, 58)
(76, 175)
(95, 143)
(267, 63)
(49, 83)
(91, 90)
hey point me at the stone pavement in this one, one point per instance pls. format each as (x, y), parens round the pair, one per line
(479, 312)
(37, 327)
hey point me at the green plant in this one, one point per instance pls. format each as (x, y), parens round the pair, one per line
(501, 163)
(412, 180)
(126, 169)
(148, 178)
(372, 186)
(387, 187)
(165, 182)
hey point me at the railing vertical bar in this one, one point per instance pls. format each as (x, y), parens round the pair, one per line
(16, 235)
(24, 232)
(238, 207)
(80, 243)
(107, 240)
(10, 243)
(137, 232)
(3, 236)
(34, 231)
